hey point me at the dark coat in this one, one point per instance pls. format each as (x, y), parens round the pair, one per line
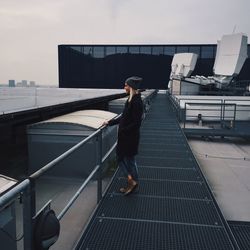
(129, 128)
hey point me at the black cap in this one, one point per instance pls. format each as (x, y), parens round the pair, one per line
(134, 82)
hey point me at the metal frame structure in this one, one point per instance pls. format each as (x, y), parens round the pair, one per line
(182, 116)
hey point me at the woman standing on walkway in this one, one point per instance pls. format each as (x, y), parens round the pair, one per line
(129, 133)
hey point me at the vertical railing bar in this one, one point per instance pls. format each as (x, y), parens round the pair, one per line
(235, 107)
(99, 162)
(27, 218)
(185, 113)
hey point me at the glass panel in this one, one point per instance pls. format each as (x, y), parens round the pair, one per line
(133, 49)
(76, 48)
(195, 49)
(169, 50)
(182, 49)
(110, 50)
(87, 50)
(145, 50)
(122, 49)
(157, 50)
(207, 52)
(98, 51)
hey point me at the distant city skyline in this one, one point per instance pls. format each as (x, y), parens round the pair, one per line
(30, 31)
(22, 83)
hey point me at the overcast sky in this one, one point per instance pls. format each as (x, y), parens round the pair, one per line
(30, 30)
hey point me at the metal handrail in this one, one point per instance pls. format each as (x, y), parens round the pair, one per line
(8, 197)
(12, 193)
(51, 164)
(78, 192)
(177, 104)
(27, 187)
(222, 110)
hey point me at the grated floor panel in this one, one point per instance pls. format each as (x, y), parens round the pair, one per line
(159, 146)
(156, 188)
(165, 162)
(164, 152)
(162, 210)
(167, 140)
(110, 234)
(167, 174)
(241, 231)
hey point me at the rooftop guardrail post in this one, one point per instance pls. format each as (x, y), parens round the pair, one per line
(99, 163)
(33, 196)
(223, 114)
(27, 219)
(185, 115)
(235, 107)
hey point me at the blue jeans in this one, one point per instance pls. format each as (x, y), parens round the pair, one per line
(129, 167)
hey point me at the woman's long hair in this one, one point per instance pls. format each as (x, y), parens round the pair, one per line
(132, 93)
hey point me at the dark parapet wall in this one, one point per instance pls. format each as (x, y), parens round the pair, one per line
(107, 66)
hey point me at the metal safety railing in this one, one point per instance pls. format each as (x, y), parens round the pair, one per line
(210, 111)
(21, 190)
(232, 110)
(26, 190)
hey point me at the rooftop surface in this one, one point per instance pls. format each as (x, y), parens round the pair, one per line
(226, 165)
(21, 98)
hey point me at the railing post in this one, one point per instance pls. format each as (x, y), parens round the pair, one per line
(33, 196)
(185, 115)
(235, 110)
(224, 111)
(179, 111)
(27, 219)
(99, 163)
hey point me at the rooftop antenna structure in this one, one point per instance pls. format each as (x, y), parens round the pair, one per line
(231, 54)
(234, 29)
(183, 65)
(230, 57)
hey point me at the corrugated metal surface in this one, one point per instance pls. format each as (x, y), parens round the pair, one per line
(241, 231)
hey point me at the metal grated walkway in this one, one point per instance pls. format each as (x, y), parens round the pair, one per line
(173, 207)
(241, 230)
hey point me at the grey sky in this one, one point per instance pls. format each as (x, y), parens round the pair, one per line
(30, 30)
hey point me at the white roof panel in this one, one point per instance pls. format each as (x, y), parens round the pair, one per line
(89, 118)
(6, 183)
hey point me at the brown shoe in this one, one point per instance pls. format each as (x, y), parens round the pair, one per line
(131, 187)
(123, 190)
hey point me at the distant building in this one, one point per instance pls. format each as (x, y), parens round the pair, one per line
(32, 83)
(12, 83)
(24, 83)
